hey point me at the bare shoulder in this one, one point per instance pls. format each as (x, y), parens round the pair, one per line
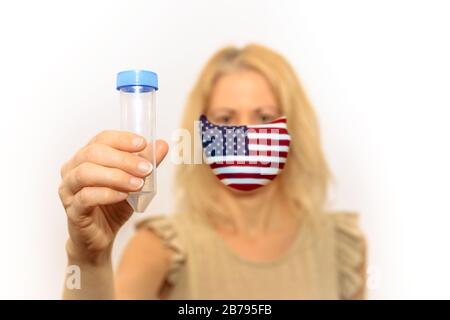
(143, 266)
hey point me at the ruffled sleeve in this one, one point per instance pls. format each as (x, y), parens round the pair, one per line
(350, 253)
(164, 227)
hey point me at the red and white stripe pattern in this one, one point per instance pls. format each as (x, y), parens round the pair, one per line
(246, 157)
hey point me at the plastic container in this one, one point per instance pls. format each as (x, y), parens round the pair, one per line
(137, 90)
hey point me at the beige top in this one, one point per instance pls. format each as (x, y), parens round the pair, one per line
(321, 263)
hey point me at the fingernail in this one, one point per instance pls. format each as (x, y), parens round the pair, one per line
(145, 167)
(138, 141)
(136, 182)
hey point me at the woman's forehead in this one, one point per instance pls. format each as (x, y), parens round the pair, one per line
(242, 89)
(244, 109)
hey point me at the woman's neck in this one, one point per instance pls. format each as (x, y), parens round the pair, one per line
(251, 213)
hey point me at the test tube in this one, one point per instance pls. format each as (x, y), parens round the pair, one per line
(137, 89)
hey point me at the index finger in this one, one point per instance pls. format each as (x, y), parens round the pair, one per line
(121, 140)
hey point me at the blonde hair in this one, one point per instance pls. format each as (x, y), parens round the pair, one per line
(305, 176)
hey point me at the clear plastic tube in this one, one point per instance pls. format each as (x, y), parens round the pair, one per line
(137, 107)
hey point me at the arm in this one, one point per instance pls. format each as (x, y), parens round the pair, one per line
(95, 277)
(140, 274)
(94, 187)
(143, 267)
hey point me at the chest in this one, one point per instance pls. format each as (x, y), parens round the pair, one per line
(261, 247)
(293, 269)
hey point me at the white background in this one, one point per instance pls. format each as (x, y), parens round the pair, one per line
(376, 71)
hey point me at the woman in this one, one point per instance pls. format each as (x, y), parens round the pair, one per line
(244, 237)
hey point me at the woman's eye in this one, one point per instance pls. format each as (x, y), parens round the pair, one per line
(266, 118)
(224, 120)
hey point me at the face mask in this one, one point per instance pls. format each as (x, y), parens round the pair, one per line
(245, 157)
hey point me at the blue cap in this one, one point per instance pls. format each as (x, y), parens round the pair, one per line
(137, 78)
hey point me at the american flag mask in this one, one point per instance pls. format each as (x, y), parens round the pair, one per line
(245, 157)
